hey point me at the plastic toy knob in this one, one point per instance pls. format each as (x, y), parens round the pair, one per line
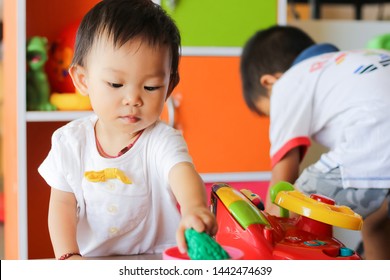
(346, 252)
(274, 190)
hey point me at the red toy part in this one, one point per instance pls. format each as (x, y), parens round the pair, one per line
(263, 236)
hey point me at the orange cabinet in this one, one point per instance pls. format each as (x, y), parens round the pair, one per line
(222, 134)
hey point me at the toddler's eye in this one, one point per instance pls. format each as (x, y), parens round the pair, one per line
(115, 85)
(150, 88)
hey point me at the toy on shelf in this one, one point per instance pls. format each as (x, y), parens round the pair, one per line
(64, 95)
(60, 57)
(38, 87)
(71, 101)
(261, 235)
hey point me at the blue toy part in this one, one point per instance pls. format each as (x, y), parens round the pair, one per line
(346, 252)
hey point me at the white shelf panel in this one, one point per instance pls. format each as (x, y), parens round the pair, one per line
(55, 116)
(211, 51)
(236, 176)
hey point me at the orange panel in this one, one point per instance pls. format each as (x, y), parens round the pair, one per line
(11, 226)
(221, 132)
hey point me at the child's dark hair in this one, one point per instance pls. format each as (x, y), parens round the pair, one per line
(269, 51)
(123, 20)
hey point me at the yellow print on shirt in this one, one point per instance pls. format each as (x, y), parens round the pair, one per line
(106, 174)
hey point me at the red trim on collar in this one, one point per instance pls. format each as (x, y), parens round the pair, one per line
(121, 152)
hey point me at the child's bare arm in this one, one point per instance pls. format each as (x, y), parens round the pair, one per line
(62, 223)
(190, 193)
(287, 169)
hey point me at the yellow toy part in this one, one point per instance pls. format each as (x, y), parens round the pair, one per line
(70, 101)
(227, 195)
(336, 215)
(240, 206)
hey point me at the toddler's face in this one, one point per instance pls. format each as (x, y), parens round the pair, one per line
(263, 105)
(127, 85)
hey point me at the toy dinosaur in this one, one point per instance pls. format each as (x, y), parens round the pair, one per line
(38, 87)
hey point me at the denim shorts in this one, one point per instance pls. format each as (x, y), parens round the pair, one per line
(361, 201)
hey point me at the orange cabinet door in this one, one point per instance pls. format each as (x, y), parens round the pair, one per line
(222, 134)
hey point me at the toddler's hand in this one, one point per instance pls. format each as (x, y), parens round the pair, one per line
(201, 220)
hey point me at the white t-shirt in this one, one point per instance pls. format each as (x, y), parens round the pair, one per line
(341, 100)
(116, 218)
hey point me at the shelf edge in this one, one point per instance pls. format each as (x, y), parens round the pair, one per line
(55, 116)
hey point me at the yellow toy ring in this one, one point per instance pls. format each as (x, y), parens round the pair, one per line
(336, 215)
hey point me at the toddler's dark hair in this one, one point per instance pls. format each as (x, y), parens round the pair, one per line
(123, 20)
(269, 51)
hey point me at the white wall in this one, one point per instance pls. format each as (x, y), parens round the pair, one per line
(346, 34)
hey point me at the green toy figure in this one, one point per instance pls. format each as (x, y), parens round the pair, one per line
(38, 87)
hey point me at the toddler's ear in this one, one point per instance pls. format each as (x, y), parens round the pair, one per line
(78, 75)
(268, 80)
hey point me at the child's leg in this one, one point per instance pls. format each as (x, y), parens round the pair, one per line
(376, 225)
(376, 234)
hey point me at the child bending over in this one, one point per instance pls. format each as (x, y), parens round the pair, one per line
(341, 99)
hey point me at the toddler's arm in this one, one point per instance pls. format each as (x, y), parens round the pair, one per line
(62, 223)
(287, 169)
(189, 190)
